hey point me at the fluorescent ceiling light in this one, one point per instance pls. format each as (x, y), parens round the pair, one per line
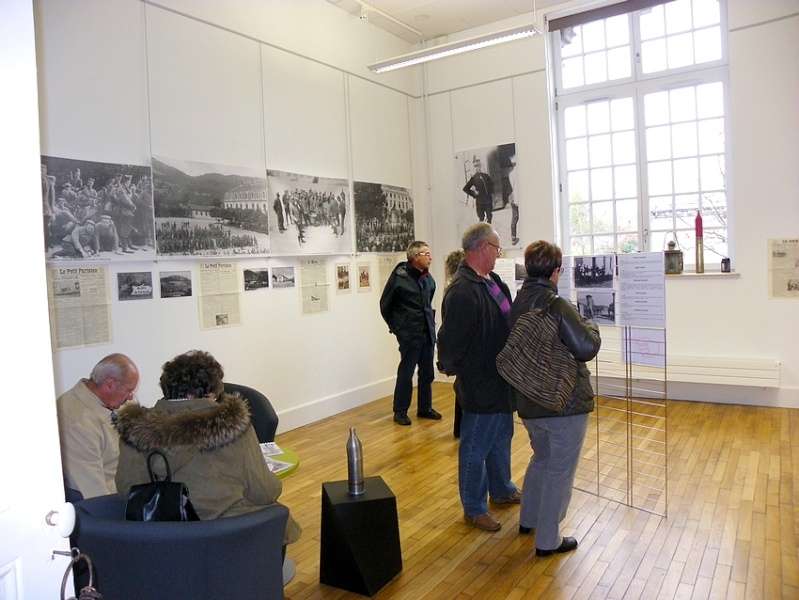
(444, 50)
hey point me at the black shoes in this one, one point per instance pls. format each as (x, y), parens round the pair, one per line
(567, 545)
(401, 419)
(430, 414)
(525, 530)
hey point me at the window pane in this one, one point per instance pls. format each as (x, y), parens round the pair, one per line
(599, 150)
(581, 245)
(682, 104)
(660, 179)
(576, 154)
(578, 186)
(678, 16)
(572, 72)
(710, 100)
(706, 12)
(652, 23)
(627, 215)
(601, 184)
(686, 175)
(579, 219)
(618, 30)
(629, 243)
(619, 64)
(683, 138)
(714, 210)
(708, 45)
(711, 173)
(661, 214)
(624, 147)
(595, 68)
(603, 244)
(602, 217)
(598, 117)
(626, 181)
(593, 36)
(622, 114)
(656, 109)
(680, 50)
(658, 143)
(711, 136)
(653, 56)
(574, 121)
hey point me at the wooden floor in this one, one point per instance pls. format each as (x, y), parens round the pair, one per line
(731, 530)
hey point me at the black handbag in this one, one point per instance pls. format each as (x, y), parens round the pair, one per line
(161, 499)
(536, 363)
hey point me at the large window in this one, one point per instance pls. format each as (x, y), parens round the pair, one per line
(641, 109)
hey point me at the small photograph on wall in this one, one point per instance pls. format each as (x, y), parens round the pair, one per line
(484, 191)
(597, 305)
(204, 209)
(309, 215)
(256, 279)
(283, 277)
(175, 284)
(135, 286)
(364, 277)
(594, 271)
(96, 211)
(383, 217)
(343, 278)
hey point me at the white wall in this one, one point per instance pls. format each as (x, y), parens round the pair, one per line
(499, 95)
(121, 80)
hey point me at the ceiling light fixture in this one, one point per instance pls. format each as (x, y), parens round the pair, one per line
(452, 48)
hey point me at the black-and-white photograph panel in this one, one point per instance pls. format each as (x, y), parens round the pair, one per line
(204, 209)
(597, 305)
(96, 211)
(135, 286)
(309, 215)
(175, 284)
(283, 277)
(383, 217)
(594, 271)
(484, 182)
(256, 279)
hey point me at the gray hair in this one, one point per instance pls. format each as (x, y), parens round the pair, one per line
(477, 234)
(413, 248)
(114, 366)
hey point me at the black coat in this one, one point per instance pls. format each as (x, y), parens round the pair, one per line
(580, 336)
(406, 305)
(472, 333)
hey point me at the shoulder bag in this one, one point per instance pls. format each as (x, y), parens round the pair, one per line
(536, 363)
(161, 499)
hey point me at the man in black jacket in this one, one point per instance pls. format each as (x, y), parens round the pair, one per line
(475, 327)
(406, 306)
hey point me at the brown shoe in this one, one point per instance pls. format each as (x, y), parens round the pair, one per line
(485, 521)
(514, 498)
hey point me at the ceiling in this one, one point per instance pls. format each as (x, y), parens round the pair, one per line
(436, 18)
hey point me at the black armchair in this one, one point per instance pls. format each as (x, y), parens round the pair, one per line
(232, 557)
(264, 417)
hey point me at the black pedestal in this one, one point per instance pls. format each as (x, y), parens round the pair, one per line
(360, 547)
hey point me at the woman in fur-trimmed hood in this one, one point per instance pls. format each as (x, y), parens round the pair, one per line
(209, 442)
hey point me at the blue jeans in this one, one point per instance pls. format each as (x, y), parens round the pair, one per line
(410, 358)
(548, 482)
(484, 460)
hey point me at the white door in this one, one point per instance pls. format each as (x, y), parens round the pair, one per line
(30, 462)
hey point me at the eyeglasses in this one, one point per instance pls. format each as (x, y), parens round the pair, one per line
(560, 270)
(499, 248)
(427, 254)
(130, 391)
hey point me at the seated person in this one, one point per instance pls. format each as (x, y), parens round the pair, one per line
(89, 444)
(207, 438)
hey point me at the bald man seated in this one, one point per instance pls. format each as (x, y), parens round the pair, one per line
(89, 442)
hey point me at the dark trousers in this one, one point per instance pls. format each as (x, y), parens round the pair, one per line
(412, 357)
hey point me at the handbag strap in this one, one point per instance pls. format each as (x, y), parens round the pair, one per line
(153, 477)
(549, 304)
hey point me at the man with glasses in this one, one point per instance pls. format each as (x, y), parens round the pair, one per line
(406, 306)
(89, 442)
(475, 327)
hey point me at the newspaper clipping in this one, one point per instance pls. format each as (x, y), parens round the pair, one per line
(219, 295)
(80, 307)
(315, 289)
(783, 268)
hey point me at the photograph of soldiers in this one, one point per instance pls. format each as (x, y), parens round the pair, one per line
(314, 214)
(96, 210)
(383, 217)
(203, 209)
